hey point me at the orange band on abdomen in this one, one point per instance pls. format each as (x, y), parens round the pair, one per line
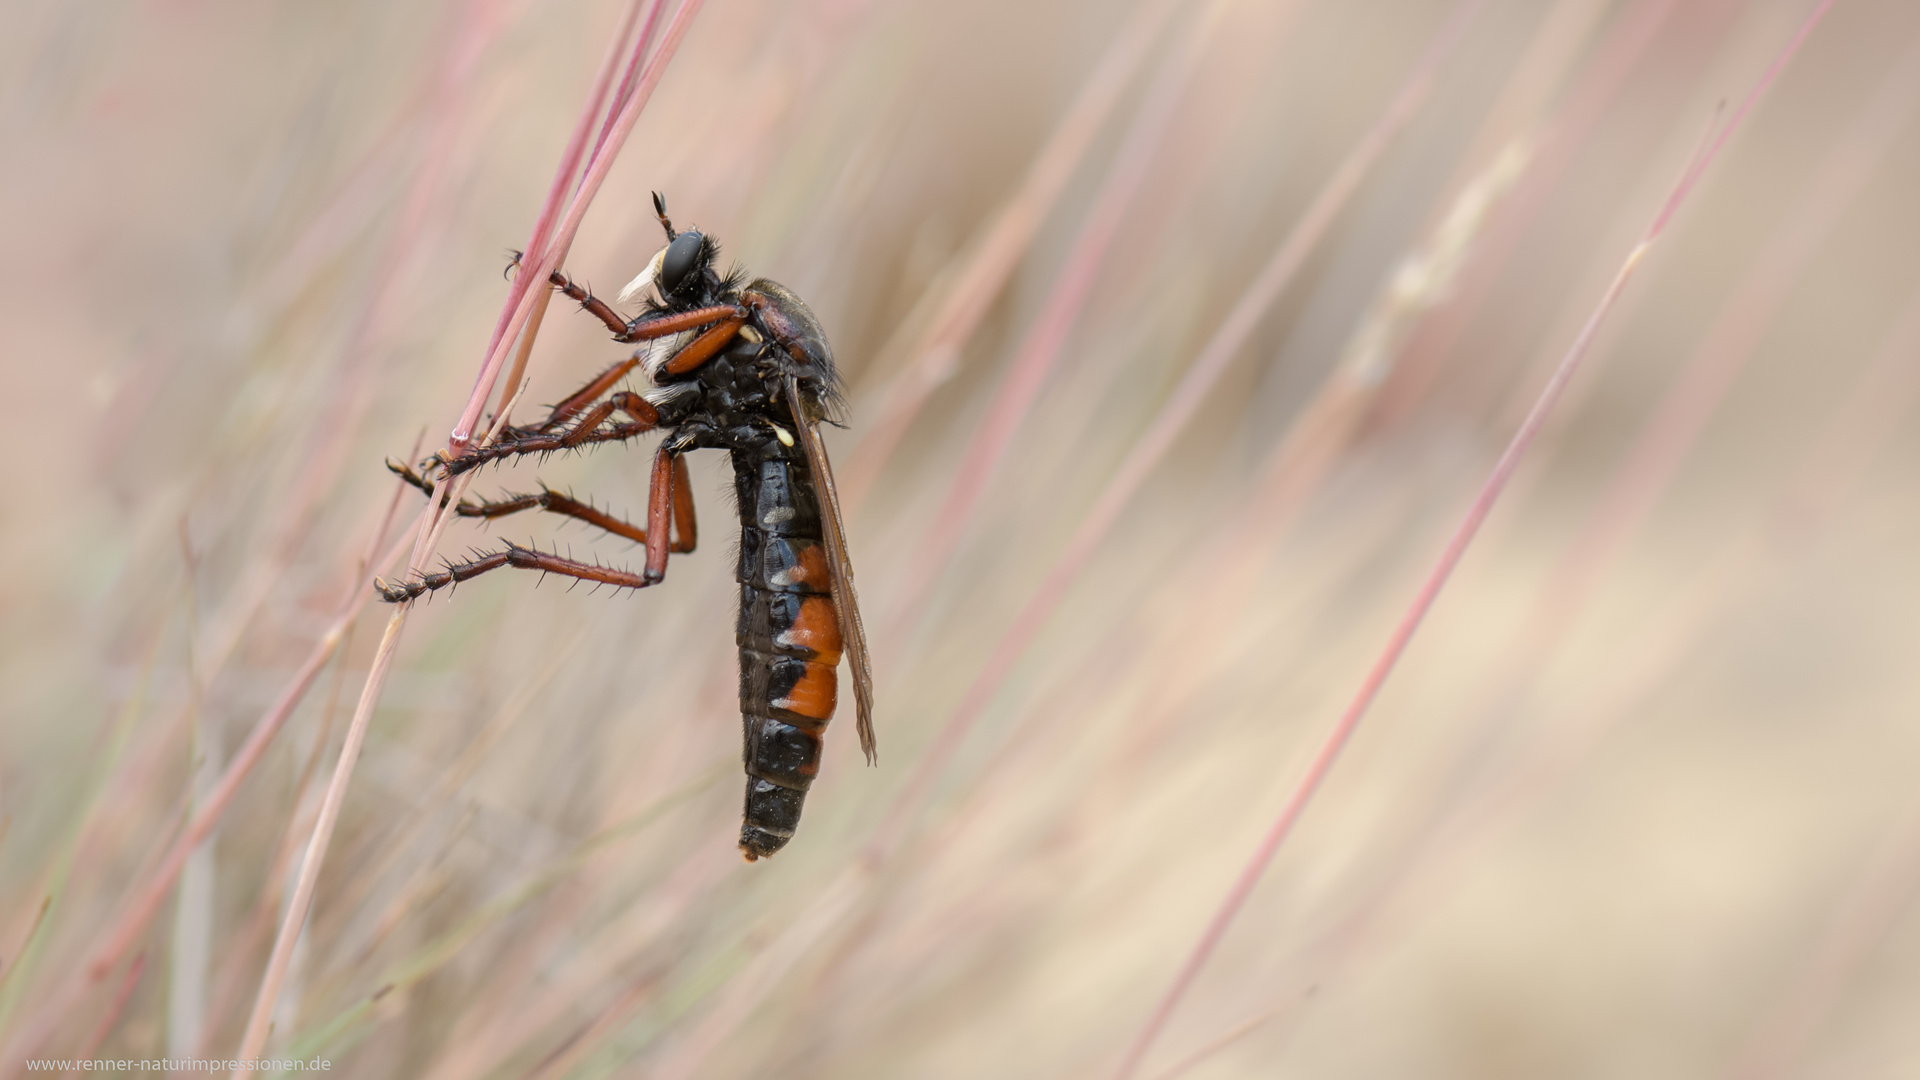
(817, 627)
(814, 695)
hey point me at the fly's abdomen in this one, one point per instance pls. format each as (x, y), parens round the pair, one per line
(789, 637)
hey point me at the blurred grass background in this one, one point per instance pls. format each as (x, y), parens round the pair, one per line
(1638, 802)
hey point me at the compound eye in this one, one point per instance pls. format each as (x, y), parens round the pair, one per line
(682, 258)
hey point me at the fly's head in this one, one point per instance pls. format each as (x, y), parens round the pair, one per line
(682, 271)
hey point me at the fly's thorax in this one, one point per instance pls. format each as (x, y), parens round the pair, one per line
(804, 353)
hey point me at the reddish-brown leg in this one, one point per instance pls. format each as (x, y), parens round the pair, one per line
(701, 349)
(519, 558)
(648, 329)
(554, 502)
(590, 422)
(660, 503)
(589, 303)
(685, 532)
(587, 394)
(659, 511)
(518, 442)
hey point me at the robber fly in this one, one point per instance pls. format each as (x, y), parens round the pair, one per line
(740, 366)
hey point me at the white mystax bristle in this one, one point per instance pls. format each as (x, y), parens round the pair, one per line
(661, 395)
(652, 354)
(645, 281)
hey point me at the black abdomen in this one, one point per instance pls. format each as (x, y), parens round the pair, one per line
(789, 638)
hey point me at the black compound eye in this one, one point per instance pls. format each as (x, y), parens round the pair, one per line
(682, 258)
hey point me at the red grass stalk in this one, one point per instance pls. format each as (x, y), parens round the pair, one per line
(134, 921)
(839, 898)
(1858, 428)
(139, 914)
(935, 354)
(550, 255)
(544, 257)
(648, 23)
(543, 222)
(321, 463)
(1666, 439)
(255, 1036)
(91, 1047)
(258, 577)
(1437, 577)
(1682, 415)
(1061, 310)
(1566, 133)
(1167, 425)
(544, 294)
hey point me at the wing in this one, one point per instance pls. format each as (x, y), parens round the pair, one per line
(846, 603)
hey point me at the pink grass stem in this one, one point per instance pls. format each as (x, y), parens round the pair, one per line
(255, 1036)
(935, 354)
(1044, 340)
(635, 59)
(1861, 426)
(840, 898)
(521, 298)
(543, 226)
(1614, 61)
(138, 915)
(1682, 416)
(101, 1030)
(1167, 425)
(1456, 547)
(134, 922)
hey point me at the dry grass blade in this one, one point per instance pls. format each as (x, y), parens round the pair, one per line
(1045, 339)
(1862, 425)
(551, 253)
(840, 897)
(1456, 547)
(1127, 535)
(91, 1048)
(934, 353)
(133, 920)
(1208, 366)
(443, 949)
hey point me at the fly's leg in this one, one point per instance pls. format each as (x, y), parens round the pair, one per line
(583, 397)
(586, 431)
(514, 556)
(642, 329)
(554, 502)
(663, 496)
(686, 531)
(669, 473)
(662, 325)
(705, 347)
(588, 302)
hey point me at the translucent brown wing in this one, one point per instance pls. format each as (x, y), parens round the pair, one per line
(846, 603)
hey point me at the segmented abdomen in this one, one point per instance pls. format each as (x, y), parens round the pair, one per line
(789, 637)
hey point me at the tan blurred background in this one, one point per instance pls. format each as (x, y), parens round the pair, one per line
(1639, 802)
